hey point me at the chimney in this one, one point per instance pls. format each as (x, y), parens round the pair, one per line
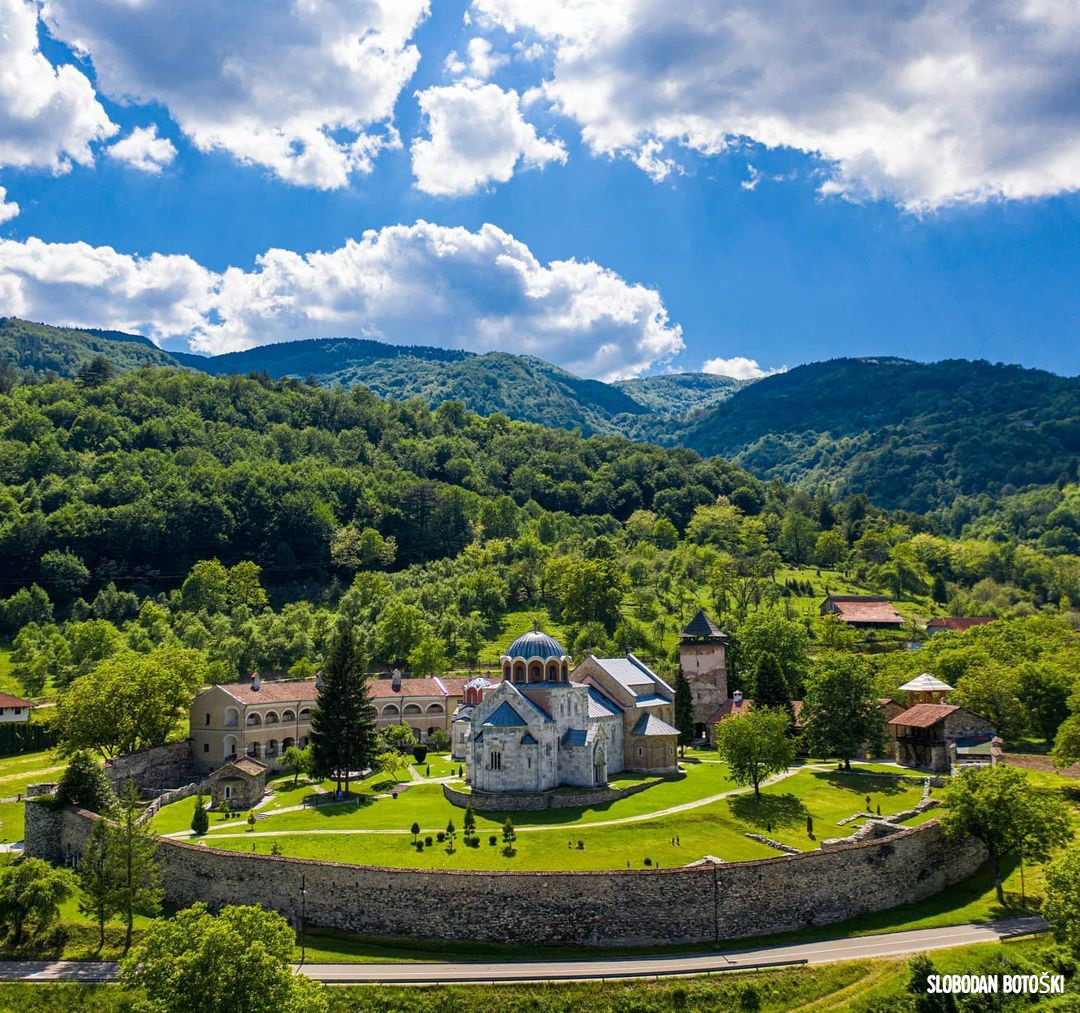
(318, 679)
(737, 697)
(256, 682)
(395, 680)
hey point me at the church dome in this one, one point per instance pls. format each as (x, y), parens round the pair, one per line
(535, 644)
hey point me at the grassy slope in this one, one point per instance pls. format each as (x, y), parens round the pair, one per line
(718, 828)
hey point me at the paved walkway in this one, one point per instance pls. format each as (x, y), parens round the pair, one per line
(606, 968)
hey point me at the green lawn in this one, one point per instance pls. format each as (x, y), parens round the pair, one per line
(376, 830)
(440, 766)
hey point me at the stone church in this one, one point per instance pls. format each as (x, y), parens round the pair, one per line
(544, 726)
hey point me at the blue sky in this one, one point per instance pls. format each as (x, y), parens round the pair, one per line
(620, 198)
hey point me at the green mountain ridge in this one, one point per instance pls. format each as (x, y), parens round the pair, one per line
(909, 435)
(521, 386)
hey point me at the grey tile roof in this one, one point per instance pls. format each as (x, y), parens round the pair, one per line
(600, 706)
(633, 675)
(574, 737)
(650, 724)
(701, 627)
(651, 700)
(527, 740)
(504, 716)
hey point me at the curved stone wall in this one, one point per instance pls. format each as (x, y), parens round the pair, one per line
(699, 903)
(503, 801)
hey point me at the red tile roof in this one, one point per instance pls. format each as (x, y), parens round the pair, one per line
(924, 715)
(729, 708)
(7, 700)
(272, 692)
(409, 687)
(454, 687)
(957, 623)
(865, 609)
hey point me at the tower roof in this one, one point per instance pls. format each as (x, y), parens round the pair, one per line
(926, 683)
(701, 627)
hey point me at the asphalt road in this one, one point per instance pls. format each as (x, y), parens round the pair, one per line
(826, 951)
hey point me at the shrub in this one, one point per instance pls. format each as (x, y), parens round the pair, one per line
(581, 845)
(251, 819)
(438, 741)
(419, 753)
(493, 840)
(427, 771)
(648, 861)
(419, 845)
(428, 841)
(810, 826)
(83, 783)
(440, 837)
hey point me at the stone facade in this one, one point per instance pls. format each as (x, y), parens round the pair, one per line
(703, 659)
(155, 769)
(239, 784)
(925, 735)
(702, 903)
(537, 801)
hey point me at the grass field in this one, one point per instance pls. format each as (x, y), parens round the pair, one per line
(672, 823)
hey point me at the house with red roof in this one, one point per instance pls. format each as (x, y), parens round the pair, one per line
(863, 611)
(14, 709)
(955, 624)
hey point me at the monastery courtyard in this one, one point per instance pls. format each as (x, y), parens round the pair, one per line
(669, 824)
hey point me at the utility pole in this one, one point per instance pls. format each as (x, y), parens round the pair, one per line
(303, 916)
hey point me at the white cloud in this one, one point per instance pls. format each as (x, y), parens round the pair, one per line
(921, 103)
(483, 60)
(8, 209)
(739, 368)
(451, 287)
(49, 116)
(477, 136)
(305, 88)
(142, 149)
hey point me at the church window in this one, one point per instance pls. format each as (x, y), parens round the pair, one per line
(640, 751)
(207, 721)
(495, 760)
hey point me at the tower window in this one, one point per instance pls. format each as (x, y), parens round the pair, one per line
(494, 760)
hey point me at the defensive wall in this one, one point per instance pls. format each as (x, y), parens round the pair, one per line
(692, 904)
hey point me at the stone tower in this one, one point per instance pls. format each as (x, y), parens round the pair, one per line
(702, 655)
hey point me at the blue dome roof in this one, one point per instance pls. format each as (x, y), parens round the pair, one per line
(535, 645)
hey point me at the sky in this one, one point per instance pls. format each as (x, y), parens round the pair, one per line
(622, 189)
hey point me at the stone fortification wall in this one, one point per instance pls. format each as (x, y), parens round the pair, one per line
(154, 769)
(504, 801)
(700, 903)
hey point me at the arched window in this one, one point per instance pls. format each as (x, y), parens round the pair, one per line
(390, 711)
(536, 672)
(495, 760)
(565, 672)
(288, 715)
(271, 718)
(412, 708)
(286, 743)
(519, 671)
(255, 749)
(253, 720)
(552, 674)
(230, 747)
(305, 713)
(435, 708)
(271, 748)
(232, 717)
(506, 669)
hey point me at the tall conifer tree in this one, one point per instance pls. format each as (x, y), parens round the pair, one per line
(343, 722)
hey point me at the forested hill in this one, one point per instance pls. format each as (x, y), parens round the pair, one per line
(908, 434)
(41, 349)
(521, 386)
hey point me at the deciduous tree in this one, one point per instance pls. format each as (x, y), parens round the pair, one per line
(840, 711)
(755, 745)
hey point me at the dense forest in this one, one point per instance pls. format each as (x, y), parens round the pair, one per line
(237, 519)
(910, 434)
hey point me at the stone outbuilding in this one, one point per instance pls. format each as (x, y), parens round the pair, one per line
(928, 735)
(238, 784)
(862, 611)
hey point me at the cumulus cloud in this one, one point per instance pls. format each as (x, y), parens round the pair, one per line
(49, 116)
(305, 88)
(8, 209)
(477, 136)
(739, 368)
(142, 149)
(924, 104)
(481, 290)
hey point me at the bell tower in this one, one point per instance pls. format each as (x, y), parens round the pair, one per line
(703, 657)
